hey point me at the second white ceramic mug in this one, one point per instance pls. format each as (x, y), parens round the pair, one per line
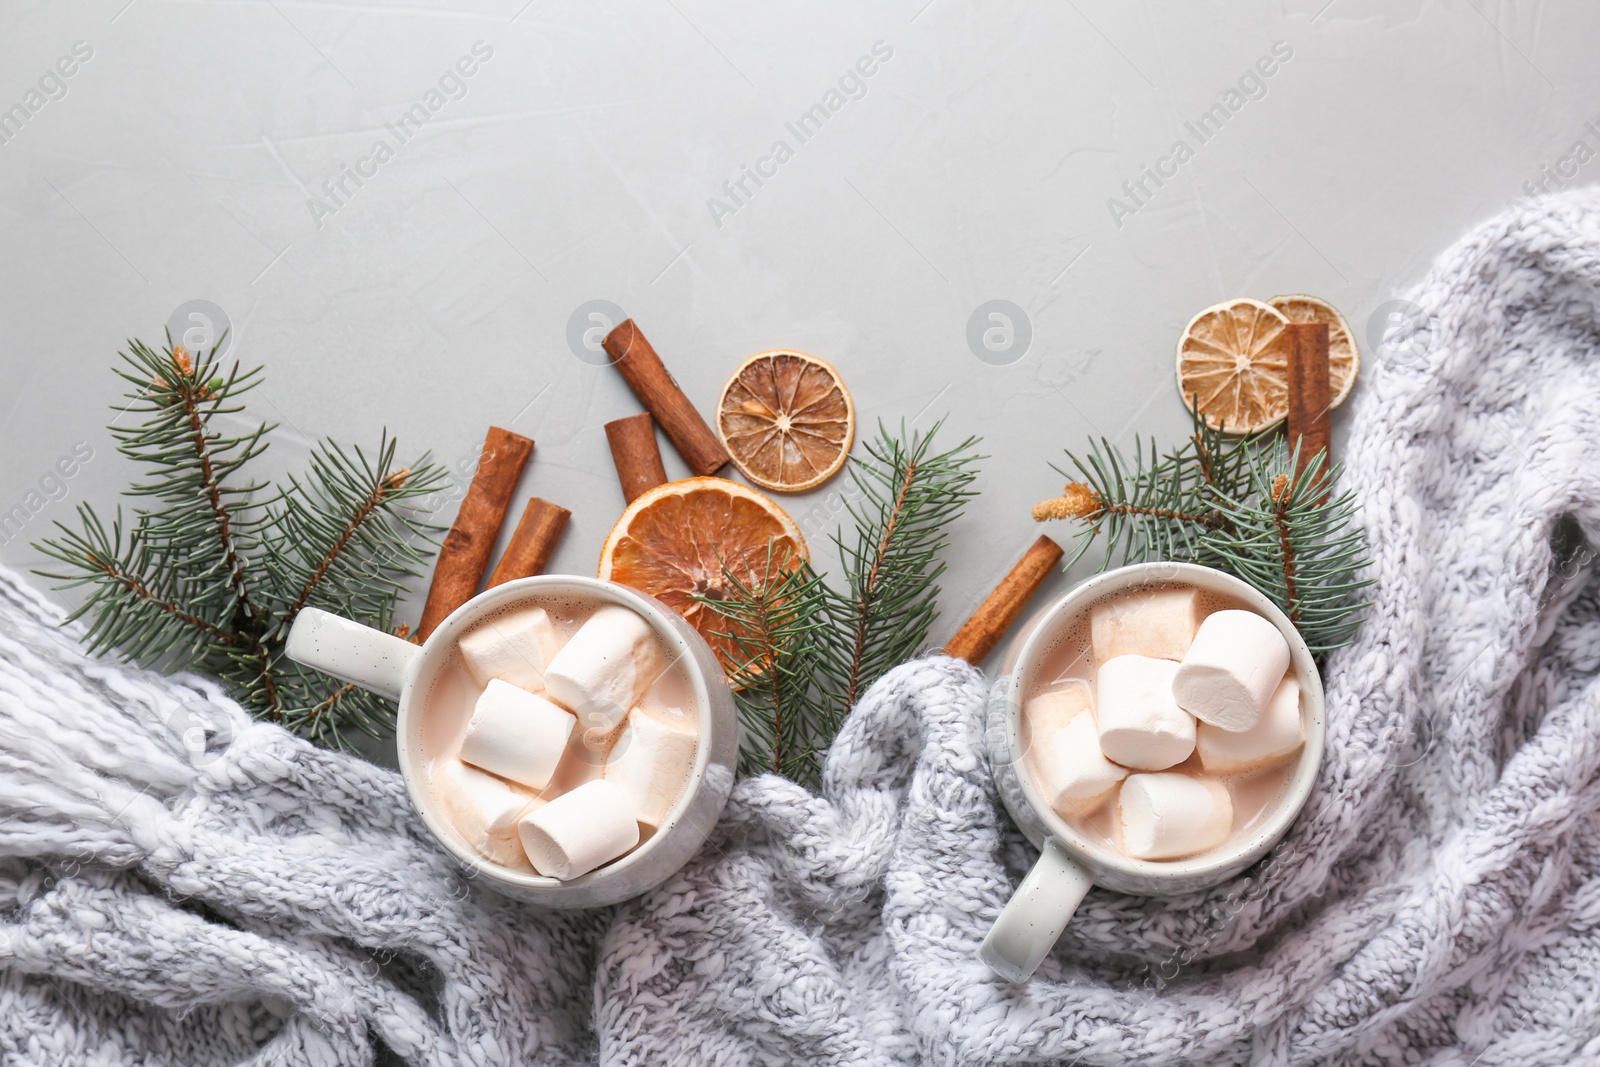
(1070, 864)
(405, 672)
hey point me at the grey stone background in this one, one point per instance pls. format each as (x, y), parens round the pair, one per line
(585, 158)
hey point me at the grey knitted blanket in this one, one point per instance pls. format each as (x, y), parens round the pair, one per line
(178, 885)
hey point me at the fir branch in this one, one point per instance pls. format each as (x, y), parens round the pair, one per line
(908, 495)
(1219, 458)
(333, 700)
(1235, 503)
(116, 574)
(773, 620)
(363, 510)
(349, 533)
(333, 718)
(1279, 506)
(808, 650)
(102, 559)
(210, 575)
(1150, 507)
(1289, 537)
(193, 462)
(190, 395)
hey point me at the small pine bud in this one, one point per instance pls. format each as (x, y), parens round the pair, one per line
(398, 478)
(182, 360)
(1077, 501)
(1280, 488)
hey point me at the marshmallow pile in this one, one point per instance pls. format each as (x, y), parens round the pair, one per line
(1180, 701)
(566, 764)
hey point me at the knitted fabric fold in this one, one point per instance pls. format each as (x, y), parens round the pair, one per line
(1436, 902)
(180, 885)
(186, 887)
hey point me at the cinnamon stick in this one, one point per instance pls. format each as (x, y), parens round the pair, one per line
(984, 628)
(650, 381)
(634, 451)
(532, 543)
(464, 556)
(1310, 397)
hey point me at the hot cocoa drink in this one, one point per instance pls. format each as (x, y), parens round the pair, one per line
(559, 735)
(1163, 723)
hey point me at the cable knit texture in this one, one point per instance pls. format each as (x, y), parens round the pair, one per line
(182, 886)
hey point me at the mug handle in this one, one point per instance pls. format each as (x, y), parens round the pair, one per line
(1034, 917)
(350, 651)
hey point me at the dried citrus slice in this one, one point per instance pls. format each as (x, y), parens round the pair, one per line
(674, 540)
(1233, 365)
(787, 420)
(1344, 359)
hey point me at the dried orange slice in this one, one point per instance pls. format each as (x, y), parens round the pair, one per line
(1344, 359)
(787, 420)
(1233, 366)
(674, 541)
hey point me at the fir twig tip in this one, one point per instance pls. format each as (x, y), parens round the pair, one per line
(1077, 501)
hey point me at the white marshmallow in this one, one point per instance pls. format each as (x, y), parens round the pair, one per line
(1277, 734)
(652, 760)
(516, 734)
(1064, 750)
(1076, 776)
(1141, 725)
(583, 760)
(513, 648)
(484, 810)
(1233, 667)
(1159, 623)
(1054, 709)
(606, 667)
(578, 831)
(1168, 816)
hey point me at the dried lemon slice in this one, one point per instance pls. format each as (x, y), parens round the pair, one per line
(1344, 359)
(1233, 366)
(787, 420)
(674, 541)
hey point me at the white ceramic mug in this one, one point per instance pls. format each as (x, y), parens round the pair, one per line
(1069, 863)
(405, 672)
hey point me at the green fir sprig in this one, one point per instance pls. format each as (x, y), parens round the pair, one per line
(214, 564)
(906, 496)
(774, 617)
(1286, 536)
(810, 649)
(1234, 503)
(1152, 505)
